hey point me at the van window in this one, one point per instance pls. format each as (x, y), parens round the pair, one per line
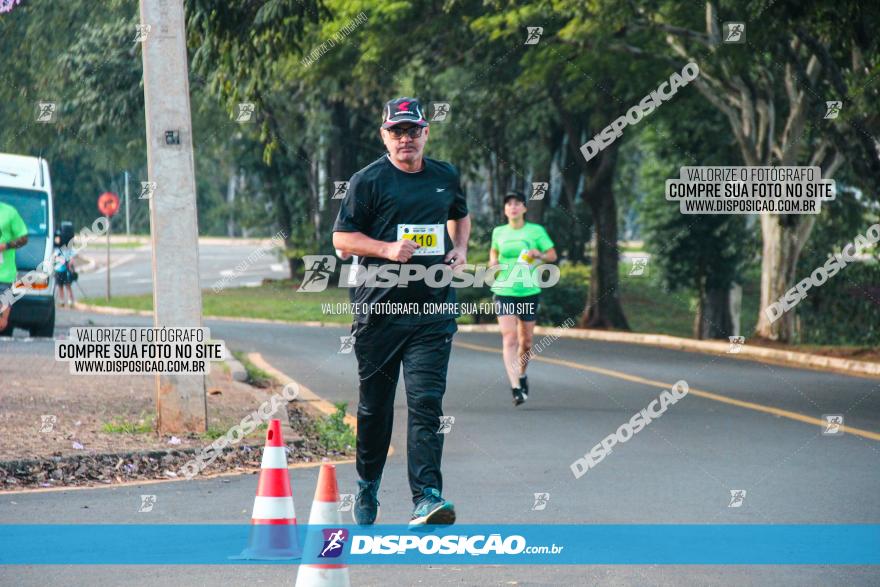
(33, 207)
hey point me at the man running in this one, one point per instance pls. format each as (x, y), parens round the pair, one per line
(403, 208)
(13, 235)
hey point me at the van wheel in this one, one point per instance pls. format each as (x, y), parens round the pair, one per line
(47, 329)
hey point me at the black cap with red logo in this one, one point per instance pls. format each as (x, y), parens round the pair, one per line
(402, 110)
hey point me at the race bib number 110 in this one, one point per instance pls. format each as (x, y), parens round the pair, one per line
(428, 236)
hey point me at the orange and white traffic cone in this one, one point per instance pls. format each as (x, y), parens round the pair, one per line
(273, 521)
(327, 544)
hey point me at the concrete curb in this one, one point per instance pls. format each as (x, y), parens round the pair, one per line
(705, 346)
(236, 369)
(758, 353)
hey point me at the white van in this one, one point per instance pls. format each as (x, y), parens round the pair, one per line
(26, 186)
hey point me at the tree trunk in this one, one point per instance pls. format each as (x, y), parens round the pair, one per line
(571, 178)
(490, 189)
(783, 240)
(540, 173)
(713, 319)
(230, 202)
(603, 308)
(551, 143)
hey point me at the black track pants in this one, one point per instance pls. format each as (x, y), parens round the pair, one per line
(423, 351)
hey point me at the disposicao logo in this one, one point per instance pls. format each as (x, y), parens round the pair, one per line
(334, 542)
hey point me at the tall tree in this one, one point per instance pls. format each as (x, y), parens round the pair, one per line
(772, 92)
(699, 254)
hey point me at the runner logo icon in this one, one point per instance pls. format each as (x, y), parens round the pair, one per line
(832, 109)
(541, 500)
(737, 497)
(539, 190)
(334, 541)
(734, 32)
(346, 502)
(346, 344)
(48, 422)
(534, 35)
(833, 424)
(319, 268)
(340, 188)
(147, 503)
(446, 423)
(736, 344)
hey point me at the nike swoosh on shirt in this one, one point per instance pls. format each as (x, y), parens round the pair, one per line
(441, 189)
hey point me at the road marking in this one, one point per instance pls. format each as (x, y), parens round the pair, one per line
(116, 263)
(691, 391)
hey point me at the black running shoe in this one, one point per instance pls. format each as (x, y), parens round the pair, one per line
(518, 396)
(524, 386)
(366, 504)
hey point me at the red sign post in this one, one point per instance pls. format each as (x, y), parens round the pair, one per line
(108, 204)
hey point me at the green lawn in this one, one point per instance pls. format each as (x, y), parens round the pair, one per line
(649, 308)
(126, 245)
(276, 300)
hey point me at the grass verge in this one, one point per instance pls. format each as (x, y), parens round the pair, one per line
(144, 425)
(255, 376)
(332, 431)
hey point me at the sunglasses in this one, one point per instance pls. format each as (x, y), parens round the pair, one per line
(397, 133)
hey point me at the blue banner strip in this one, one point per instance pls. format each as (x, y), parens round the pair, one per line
(168, 544)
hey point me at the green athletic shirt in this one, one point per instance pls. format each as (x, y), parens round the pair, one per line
(509, 242)
(12, 227)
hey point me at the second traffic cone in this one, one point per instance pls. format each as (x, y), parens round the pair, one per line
(328, 545)
(273, 521)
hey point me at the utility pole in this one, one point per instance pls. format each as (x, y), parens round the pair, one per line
(109, 224)
(127, 216)
(177, 299)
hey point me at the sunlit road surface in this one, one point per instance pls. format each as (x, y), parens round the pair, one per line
(227, 265)
(680, 469)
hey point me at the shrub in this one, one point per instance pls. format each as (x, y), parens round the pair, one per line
(845, 309)
(567, 298)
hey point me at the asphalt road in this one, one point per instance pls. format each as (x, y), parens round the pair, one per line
(131, 271)
(680, 469)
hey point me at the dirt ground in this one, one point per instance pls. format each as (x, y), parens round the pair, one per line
(78, 406)
(53, 427)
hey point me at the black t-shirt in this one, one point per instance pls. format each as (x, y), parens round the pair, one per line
(379, 199)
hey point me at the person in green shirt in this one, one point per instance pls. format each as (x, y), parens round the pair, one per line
(519, 246)
(13, 235)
